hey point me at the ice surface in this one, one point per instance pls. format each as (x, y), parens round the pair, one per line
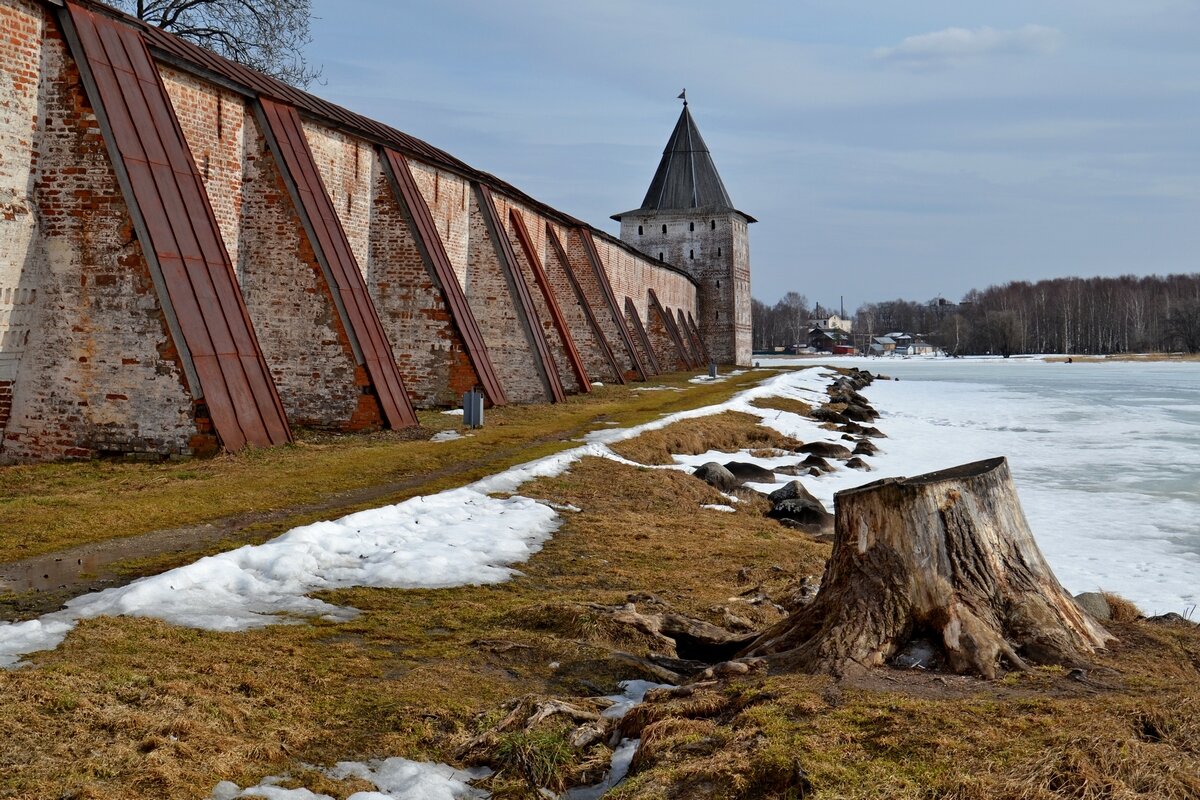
(445, 436)
(1105, 457)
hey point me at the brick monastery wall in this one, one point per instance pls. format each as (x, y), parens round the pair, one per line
(430, 352)
(95, 370)
(558, 347)
(87, 362)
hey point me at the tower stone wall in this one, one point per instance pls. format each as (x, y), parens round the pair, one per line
(688, 221)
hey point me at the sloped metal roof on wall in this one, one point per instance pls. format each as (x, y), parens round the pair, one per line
(589, 247)
(193, 58)
(581, 296)
(685, 354)
(437, 261)
(560, 324)
(524, 301)
(182, 244)
(285, 133)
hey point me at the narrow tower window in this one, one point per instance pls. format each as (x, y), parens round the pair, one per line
(639, 230)
(660, 258)
(664, 228)
(718, 251)
(691, 226)
(718, 315)
(718, 283)
(691, 253)
(712, 224)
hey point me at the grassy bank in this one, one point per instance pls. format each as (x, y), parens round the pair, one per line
(130, 708)
(46, 508)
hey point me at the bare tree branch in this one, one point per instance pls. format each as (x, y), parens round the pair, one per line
(269, 36)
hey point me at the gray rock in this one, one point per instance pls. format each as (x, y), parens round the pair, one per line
(803, 515)
(860, 413)
(826, 449)
(817, 463)
(744, 471)
(865, 448)
(1094, 604)
(858, 463)
(717, 476)
(793, 490)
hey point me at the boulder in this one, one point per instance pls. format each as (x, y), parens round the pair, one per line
(753, 473)
(793, 490)
(858, 463)
(817, 463)
(860, 413)
(865, 448)
(1094, 604)
(802, 514)
(827, 414)
(826, 450)
(717, 477)
(874, 433)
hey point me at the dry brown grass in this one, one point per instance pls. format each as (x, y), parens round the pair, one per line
(728, 433)
(1120, 609)
(783, 404)
(42, 506)
(130, 708)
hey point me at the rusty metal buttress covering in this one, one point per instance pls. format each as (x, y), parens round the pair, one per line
(285, 133)
(589, 247)
(437, 261)
(180, 239)
(525, 306)
(672, 330)
(692, 344)
(695, 332)
(581, 296)
(560, 324)
(640, 329)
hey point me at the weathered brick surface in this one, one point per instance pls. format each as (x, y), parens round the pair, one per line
(669, 357)
(558, 348)
(586, 274)
(347, 166)
(85, 340)
(212, 122)
(291, 306)
(715, 249)
(587, 340)
(449, 199)
(428, 348)
(495, 308)
(86, 359)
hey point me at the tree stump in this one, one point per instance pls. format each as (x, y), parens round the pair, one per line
(946, 557)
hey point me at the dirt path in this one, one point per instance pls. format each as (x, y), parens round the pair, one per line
(41, 584)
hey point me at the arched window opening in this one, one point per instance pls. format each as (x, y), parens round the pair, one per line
(718, 251)
(691, 227)
(664, 228)
(712, 224)
(718, 315)
(691, 253)
(718, 283)
(660, 256)
(639, 230)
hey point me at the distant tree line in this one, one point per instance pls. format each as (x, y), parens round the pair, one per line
(1063, 315)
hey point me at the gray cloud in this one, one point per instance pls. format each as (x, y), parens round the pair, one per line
(950, 45)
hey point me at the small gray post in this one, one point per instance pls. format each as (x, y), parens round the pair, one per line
(473, 408)
(712, 369)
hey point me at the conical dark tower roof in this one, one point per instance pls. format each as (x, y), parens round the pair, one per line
(686, 177)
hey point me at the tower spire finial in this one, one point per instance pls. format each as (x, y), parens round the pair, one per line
(683, 96)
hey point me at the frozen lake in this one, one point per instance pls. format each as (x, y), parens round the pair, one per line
(1106, 458)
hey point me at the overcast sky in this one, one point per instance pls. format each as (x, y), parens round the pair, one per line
(888, 150)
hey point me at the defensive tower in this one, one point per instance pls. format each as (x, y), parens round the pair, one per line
(688, 220)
